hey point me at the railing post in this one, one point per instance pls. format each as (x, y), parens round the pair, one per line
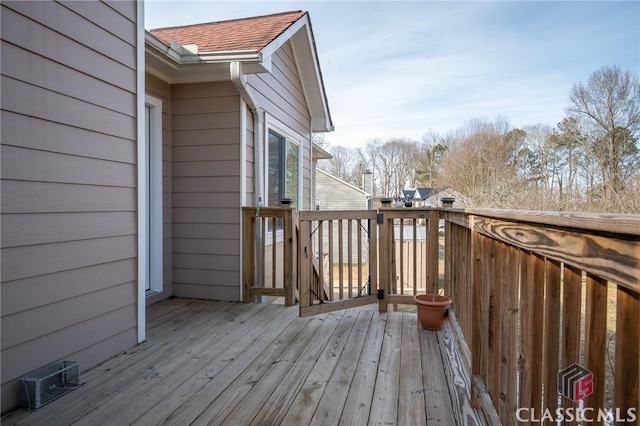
(384, 251)
(248, 252)
(433, 248)
(288, 257)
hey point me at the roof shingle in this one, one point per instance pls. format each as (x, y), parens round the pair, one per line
(238, 34)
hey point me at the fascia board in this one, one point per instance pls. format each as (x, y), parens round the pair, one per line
(306, 57)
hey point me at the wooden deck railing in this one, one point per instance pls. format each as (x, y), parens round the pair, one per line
(533, 293)
(269, 264)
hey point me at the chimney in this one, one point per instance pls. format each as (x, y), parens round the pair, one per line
(367, 182)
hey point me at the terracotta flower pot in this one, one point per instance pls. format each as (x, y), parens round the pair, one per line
(432, 312)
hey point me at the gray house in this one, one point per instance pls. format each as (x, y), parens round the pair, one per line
(127, 156)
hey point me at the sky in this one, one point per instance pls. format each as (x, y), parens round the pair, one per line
(397, 69)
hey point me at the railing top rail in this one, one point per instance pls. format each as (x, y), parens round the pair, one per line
(601, 222)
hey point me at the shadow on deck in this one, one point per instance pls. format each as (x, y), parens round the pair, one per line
(208, 362)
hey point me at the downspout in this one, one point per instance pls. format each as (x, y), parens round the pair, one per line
(240, 82)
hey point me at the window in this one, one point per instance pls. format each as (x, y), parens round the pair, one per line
(283, 179)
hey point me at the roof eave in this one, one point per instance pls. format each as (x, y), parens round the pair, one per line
(176, 64)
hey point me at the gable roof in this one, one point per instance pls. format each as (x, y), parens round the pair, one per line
(204, 52)
(238, 34)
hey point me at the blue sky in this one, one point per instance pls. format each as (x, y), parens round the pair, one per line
(395, 69)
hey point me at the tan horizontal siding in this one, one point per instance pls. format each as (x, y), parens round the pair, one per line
(206, 190)
(206, 215)
(105, 17)
(204, 90)
(43, 197)
(63, 21)
(205, 262)
(36, 291)
(43, 228)
(220, 184)
(206, 230)
(64, 168)
(207, 199)
(69, 185)
(50, 75)
(229, 247)
(203, 137)
(204, 277)
(223, 104)
(29, 261)
(64, 314)
(41, 40)
(211, 153)
(280, 93)
(222, 120)
(30, 132)
(64, 343)
(52, 106)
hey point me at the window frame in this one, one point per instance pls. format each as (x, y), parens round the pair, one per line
(289, 136)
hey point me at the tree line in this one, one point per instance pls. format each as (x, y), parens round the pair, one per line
(588, 162)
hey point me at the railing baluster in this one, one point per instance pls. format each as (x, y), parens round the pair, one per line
(596, 339)
(571, 321)
(350, 256)
(331, 260)
(551, 335)
(340, 260)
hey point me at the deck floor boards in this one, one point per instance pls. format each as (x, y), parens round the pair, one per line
(225, 363)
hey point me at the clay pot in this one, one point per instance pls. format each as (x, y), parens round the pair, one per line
(432, 311)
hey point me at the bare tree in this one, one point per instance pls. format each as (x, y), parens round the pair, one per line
(610, 103)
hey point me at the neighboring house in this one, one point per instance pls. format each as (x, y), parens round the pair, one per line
(431, 197)
(435, 199)
(335, 194)
(126, 158)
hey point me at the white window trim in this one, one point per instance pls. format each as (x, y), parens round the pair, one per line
(154, 205)
(271, 123)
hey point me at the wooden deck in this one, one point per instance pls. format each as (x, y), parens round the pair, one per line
(209, 362)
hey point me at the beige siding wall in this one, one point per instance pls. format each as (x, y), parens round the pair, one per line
(281, 95)
(162, 90)
(205, 158)
(68, 174)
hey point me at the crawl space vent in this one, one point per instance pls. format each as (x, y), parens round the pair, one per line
(43, 386)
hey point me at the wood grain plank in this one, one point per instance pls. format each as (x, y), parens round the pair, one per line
(292, 366)
(458, 382)
(436, 392)
(384, 408)
(611, 256)
(358, 401)
(551, 335)
(411, 397)
(627, 370)
(331, 404)
(571, 321)
(596, 339)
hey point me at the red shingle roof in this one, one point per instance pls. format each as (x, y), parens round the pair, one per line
(238, 34)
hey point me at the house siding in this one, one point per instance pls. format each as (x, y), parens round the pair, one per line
(205, 179)
(68, 173)
(281, 95)
(162, 90)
